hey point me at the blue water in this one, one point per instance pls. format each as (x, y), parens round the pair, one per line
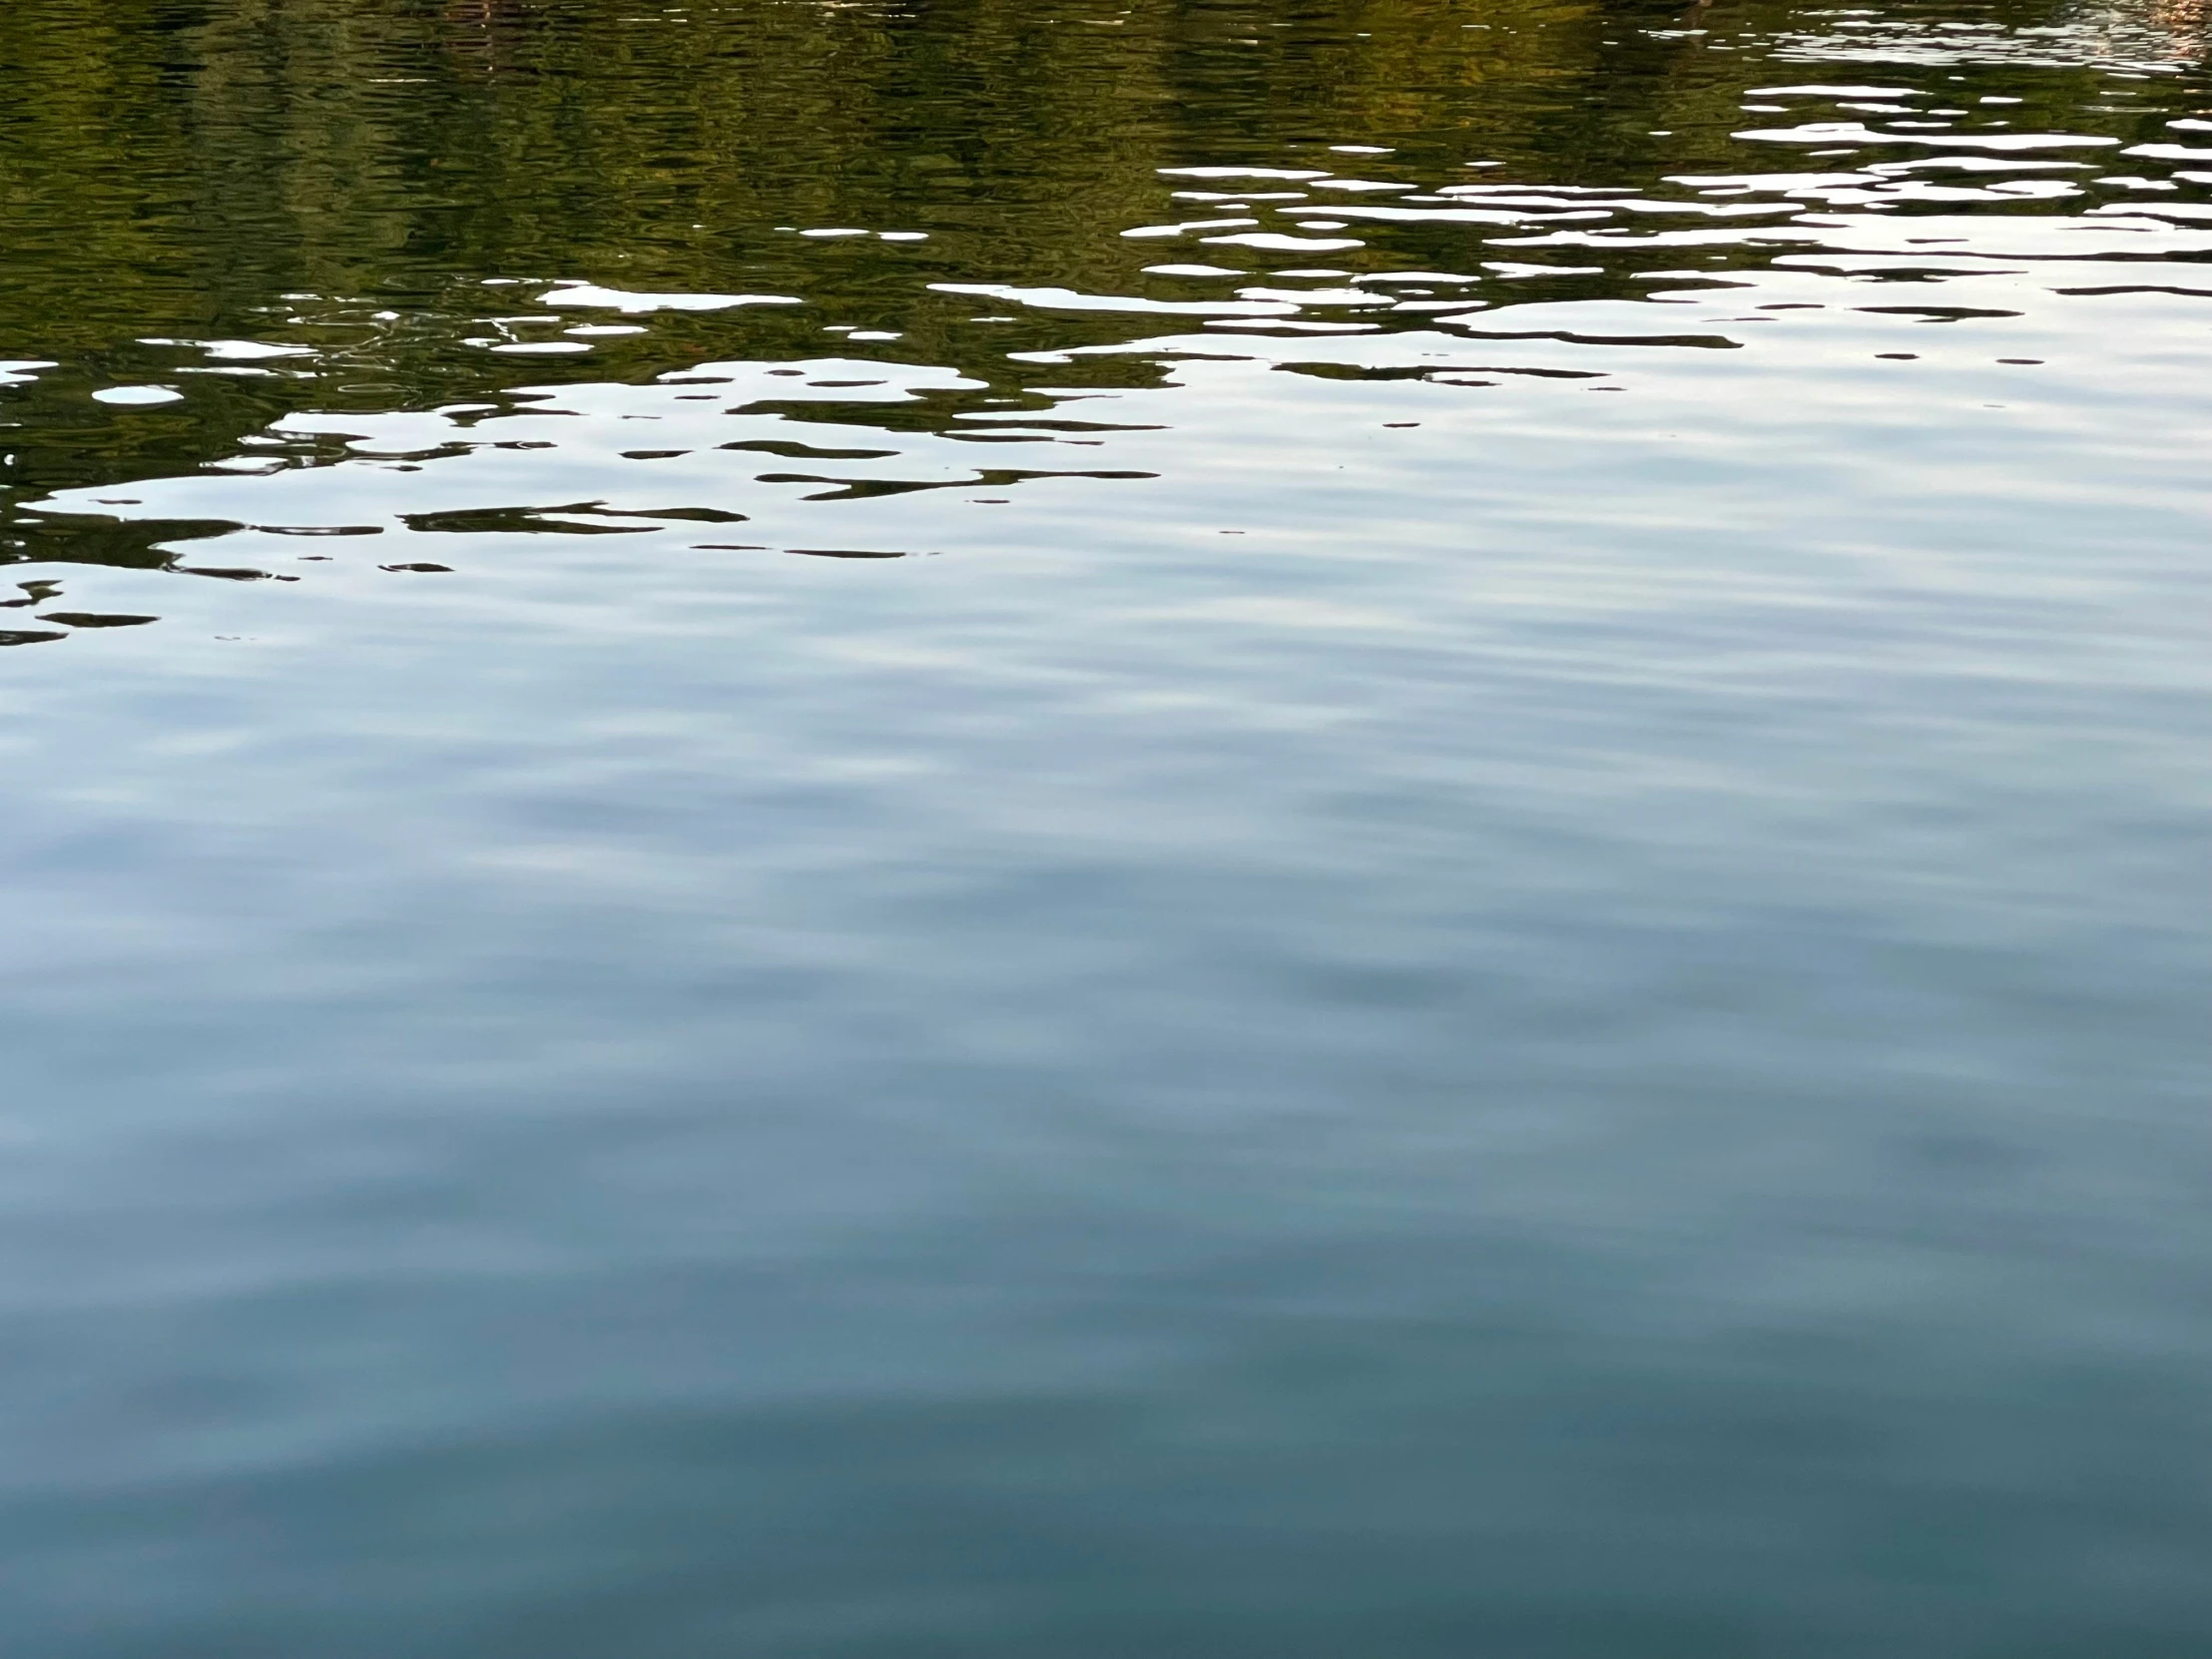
(1512, 970)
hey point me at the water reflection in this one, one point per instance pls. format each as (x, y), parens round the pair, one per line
(1474, 276)
(354, 226)
(962, 829)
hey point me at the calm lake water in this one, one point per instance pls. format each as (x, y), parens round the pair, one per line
(954, 830)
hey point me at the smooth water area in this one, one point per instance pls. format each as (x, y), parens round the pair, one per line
(947, 828)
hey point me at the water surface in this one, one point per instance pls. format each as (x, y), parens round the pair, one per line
(951, 828)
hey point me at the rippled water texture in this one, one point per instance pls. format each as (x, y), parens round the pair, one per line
(875, 831)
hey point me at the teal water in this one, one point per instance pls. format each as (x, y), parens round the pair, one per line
(1473, 928)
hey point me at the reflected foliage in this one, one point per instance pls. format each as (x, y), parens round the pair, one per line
(348, 173)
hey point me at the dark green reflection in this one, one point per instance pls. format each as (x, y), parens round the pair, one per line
(346, 173)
